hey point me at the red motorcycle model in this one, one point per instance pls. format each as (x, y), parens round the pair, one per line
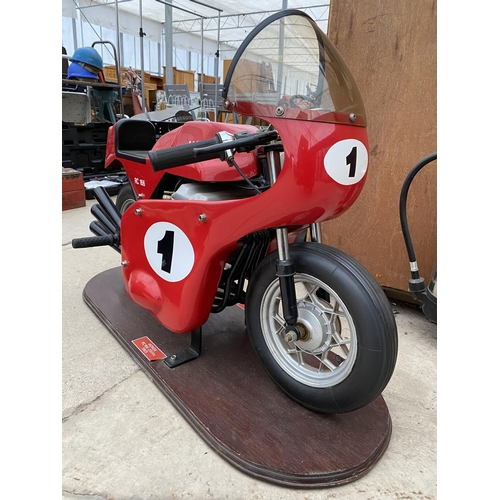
(225, 214)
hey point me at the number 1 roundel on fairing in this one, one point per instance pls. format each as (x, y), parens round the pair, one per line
(346, 161)
(169, 251)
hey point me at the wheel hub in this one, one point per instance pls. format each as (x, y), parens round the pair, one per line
(314, 328)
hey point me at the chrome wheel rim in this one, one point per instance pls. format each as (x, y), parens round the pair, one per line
(325, 354)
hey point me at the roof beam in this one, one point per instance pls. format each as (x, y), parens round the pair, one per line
(319, 13)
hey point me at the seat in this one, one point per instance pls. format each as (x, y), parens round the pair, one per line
(134, 139)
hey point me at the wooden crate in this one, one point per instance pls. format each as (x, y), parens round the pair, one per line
(181, 76)
(158, 81)
(206, 79)
(73, 189)
(150, 91)
(110, 74)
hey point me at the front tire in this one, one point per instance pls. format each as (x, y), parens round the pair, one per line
(347, 351)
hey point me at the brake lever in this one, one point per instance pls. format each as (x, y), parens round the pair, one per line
(243, 149)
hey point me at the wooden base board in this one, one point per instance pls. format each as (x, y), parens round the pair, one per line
(233, 405)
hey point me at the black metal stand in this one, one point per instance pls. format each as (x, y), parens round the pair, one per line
(192, 352)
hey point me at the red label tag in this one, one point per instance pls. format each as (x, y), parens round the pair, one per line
(148, 349)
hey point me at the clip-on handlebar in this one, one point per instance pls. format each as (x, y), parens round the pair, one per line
(209, 149)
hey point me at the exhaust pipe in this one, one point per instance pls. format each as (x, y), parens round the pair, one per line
(106, 227)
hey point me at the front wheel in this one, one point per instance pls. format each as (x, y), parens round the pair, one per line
(348, 347)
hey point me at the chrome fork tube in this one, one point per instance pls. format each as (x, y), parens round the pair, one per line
(315, 232)
(282, 242)
(274, 165)
(284, 266)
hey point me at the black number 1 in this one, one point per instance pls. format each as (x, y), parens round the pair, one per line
(166, 249)
(351, 160)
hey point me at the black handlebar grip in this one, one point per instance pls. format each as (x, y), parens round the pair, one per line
(163, 159)
(243, 143)
(93, 241)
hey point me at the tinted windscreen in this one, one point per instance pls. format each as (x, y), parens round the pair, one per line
(290, 62)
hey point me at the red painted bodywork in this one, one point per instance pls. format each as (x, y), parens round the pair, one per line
(144, 180)
(303, 194)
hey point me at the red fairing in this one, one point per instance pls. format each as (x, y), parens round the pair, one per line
(110, 147)
(323, 172)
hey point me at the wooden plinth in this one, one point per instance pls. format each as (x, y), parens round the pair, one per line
(229, 400)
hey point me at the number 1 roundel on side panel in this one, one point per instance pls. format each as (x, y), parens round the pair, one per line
(169, 251)
(346, 161)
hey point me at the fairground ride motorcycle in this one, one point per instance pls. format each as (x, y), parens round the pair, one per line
(227, 213)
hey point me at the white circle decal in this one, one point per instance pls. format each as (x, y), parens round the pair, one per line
(169, 251)
(346, 161)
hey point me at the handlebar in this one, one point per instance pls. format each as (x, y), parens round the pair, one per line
(243, 144)
(208, 149)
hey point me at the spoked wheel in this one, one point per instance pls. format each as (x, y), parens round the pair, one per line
(348, 345)
(325, 354)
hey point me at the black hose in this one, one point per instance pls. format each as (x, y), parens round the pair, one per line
(245, 178)
(402, 208)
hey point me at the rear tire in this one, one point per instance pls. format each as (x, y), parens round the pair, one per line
(347, 353)
(125, 198)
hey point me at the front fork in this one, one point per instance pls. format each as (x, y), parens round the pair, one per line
(284, 266)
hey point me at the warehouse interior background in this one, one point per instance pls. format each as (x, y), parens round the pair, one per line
(467, 218)
(183, 34)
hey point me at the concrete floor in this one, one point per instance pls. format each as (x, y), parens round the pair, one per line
(123, 440)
